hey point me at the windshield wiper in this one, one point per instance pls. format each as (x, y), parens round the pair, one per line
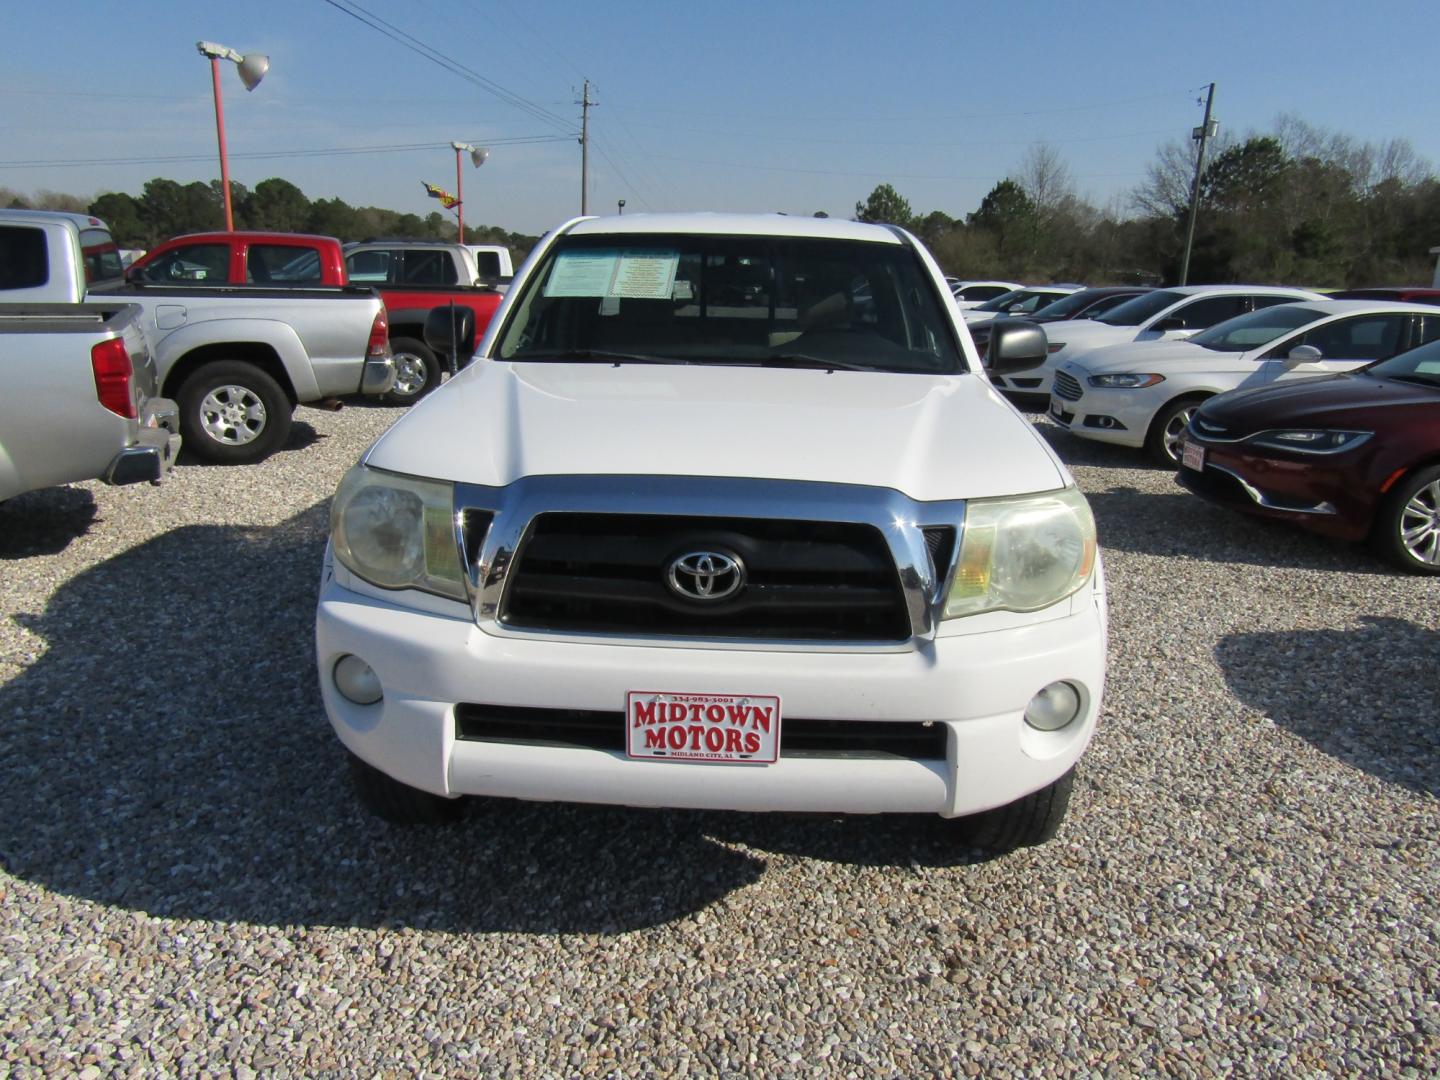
(1416, 377)
(602, 355)
(806, 360)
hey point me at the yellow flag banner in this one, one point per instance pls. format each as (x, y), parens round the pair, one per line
(446, 199)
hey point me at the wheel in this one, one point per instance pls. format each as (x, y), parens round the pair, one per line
(232, 413)
(417, 371)
(397, 803)
(1167, 430)
(1407, 529)
(1025, 822)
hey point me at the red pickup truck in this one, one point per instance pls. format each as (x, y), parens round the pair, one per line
(412, 278)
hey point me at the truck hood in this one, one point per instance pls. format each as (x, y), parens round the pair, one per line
(930, 437)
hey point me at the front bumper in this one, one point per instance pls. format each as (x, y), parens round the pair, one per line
(976, 685)
(151, 457)
(378, 376)
(1327, 496)
(1121, 417)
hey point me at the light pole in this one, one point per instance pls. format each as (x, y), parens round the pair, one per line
(478, 154)
(252, 70)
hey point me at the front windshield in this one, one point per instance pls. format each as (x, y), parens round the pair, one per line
(1420, 365)
(1136, 311)
(1256, 328)
(1066, 306)
(736, 300)
(1002, 302)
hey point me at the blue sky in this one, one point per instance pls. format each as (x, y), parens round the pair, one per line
(735, 106)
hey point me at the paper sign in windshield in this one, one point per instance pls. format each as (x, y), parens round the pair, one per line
(582, 273)
(646, 275)
(641, 275)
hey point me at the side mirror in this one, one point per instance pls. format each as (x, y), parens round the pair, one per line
(1015, 345)
(1304, 354)
(450, 330)
(1165, 326)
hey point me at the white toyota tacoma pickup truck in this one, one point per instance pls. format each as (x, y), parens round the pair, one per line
(728, 515)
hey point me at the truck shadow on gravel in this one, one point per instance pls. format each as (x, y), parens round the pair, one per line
(168, 753)
(302, 435)
(44, 522)
(1381, 692)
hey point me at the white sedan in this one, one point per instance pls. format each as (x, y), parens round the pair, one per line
(1018, 303)
(1162, 315)
(969, 294)
(1143, 394)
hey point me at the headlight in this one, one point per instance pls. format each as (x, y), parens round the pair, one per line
(1126, 381)
(1310, 440)
(1022, 554)
(397, 532)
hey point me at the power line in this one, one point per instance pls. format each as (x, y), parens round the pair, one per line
(882, 173)
(414, 44)
(850, 140)
(849, 118)
(339, 151)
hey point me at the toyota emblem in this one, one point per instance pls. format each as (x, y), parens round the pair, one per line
(706, 575)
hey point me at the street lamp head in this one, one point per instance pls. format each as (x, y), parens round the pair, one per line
(479, 155)
(253, 68)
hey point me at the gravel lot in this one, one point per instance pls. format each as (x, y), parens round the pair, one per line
(1248, 882)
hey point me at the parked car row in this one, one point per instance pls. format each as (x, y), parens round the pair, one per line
(1320, 411)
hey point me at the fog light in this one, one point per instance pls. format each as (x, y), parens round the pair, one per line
(1054, 707)
(357, 681)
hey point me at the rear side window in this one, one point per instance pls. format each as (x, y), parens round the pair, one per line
(193, 264)
(23, 260)
(429, 268)
(282, 263)
(102, 256)
(488, 262)
(368, 266)
(982, 292)
(1211, 310)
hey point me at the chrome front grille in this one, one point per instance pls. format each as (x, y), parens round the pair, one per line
(586, 557)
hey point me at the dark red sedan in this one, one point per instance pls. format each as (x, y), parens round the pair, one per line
(1355, 456)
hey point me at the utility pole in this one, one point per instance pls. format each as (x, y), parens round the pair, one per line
(1202, 134)
(585, 104)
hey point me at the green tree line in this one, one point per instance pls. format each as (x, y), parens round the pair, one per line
(166, 208)
(1297, 205)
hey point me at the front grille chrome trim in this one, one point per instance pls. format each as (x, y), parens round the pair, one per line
(900, 520)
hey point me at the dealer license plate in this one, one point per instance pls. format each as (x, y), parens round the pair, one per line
(718, 728)
(1193, 457)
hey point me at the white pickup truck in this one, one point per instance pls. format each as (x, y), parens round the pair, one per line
(236, 360)
(726, 515)
(79, 401)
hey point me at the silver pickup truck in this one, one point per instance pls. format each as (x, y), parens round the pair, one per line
(237, 359)
(79, 401)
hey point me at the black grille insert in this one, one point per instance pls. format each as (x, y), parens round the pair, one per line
(599, 730)
(1067, 386)
(805, 580)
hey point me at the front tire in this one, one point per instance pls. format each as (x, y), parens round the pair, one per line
(233, 413)
(1167, 430)
(1023, 823)
(417, 371)
(397, 803)
(1407, 529)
